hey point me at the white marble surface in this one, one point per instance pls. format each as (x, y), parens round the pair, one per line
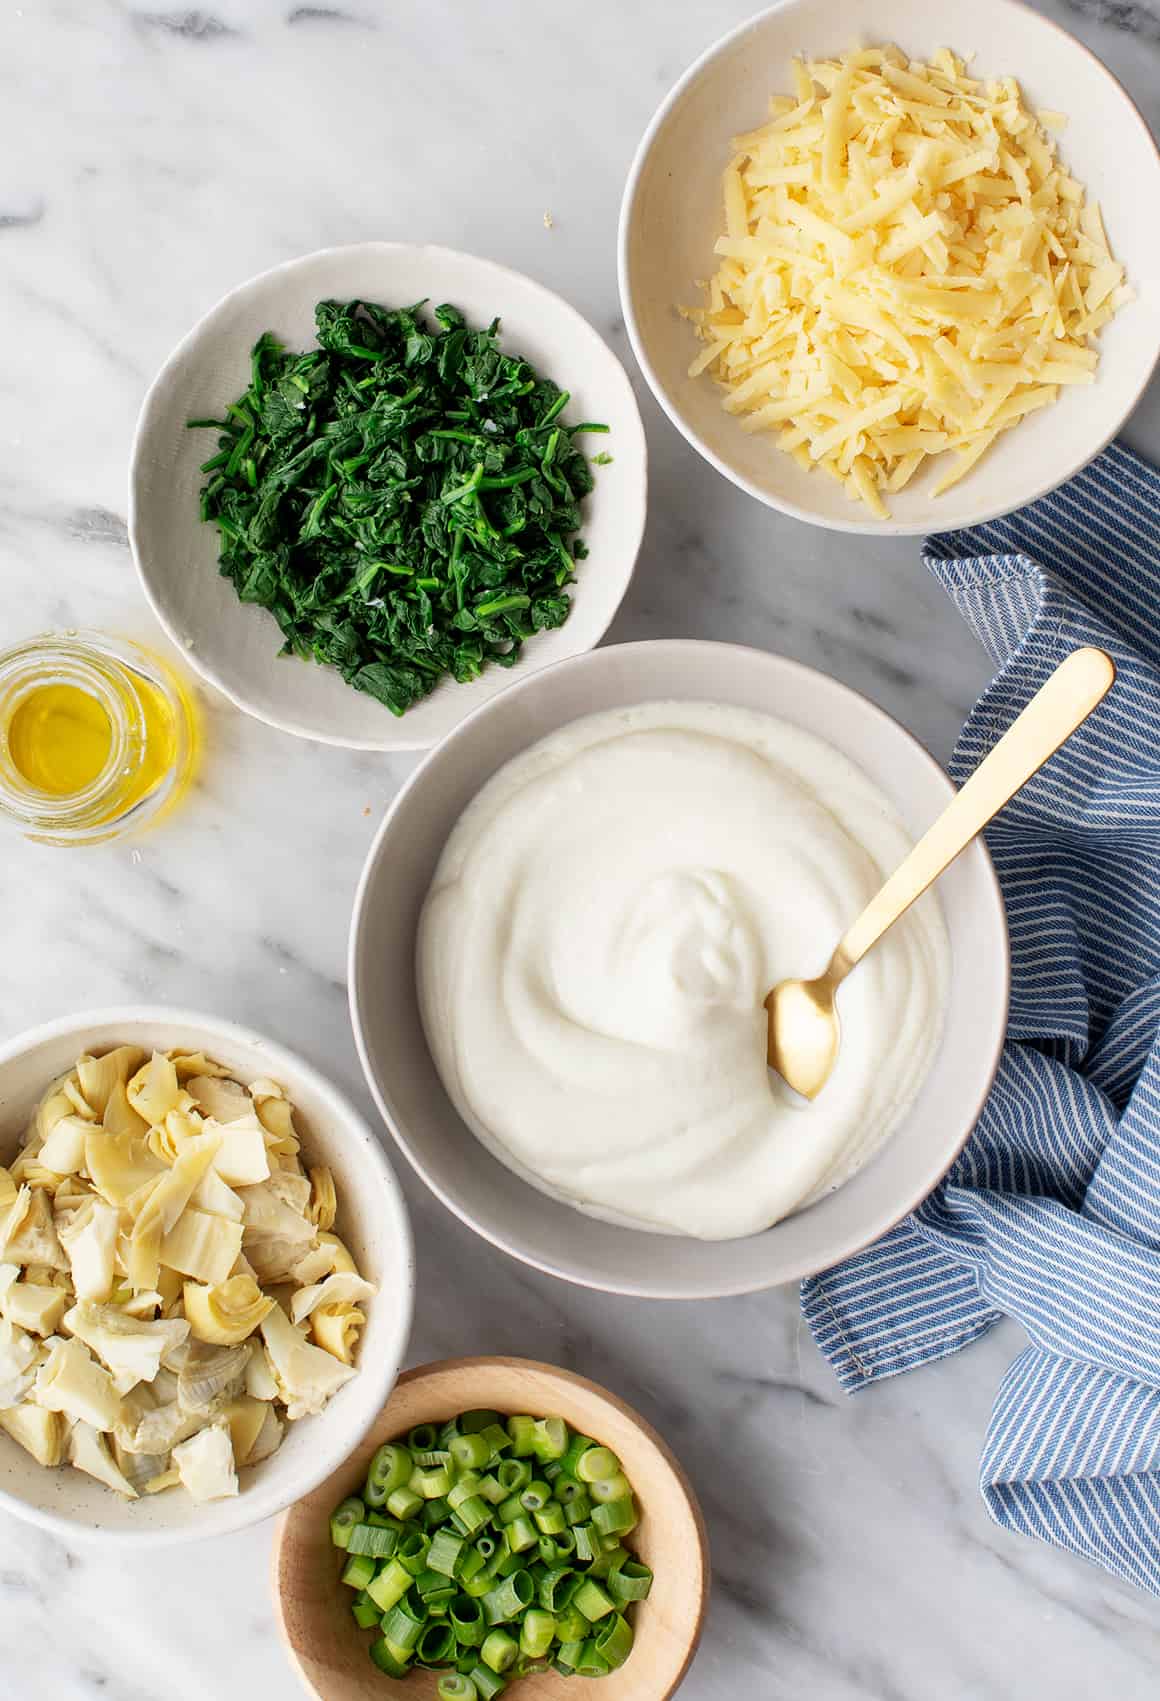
(149, 159)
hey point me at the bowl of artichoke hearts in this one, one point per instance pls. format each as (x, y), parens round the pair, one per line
(206, 1276)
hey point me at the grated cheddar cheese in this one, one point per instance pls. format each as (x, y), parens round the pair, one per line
(907, 270)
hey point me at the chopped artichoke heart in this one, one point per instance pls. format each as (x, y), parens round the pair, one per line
(19, 1352)
(155, 1090)
(27, 1234)
(206, 1464)
(307, 1376)
(202, 1246)
(39, 1432)
(336, 1329)
(64, 1150)
(220, 1098)
(241, 1157)
(89, 1451)
(71, 1381)
(346, 1288)
(130, 1347)
(99, 1077)
(35, 1306)
(90, 1240)
(120, 1165)
(227, 1313)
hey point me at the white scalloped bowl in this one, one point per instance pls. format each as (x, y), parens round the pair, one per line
(372, 1219)
(672, 214)
(235, 646)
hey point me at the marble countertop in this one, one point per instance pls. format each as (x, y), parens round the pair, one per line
(152, 158)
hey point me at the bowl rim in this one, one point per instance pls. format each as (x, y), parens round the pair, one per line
(505, 1241)
(203, 664)
(854, 526)
(557, 1373)
(230, 1516)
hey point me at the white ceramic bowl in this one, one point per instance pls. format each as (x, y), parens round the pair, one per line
(672, 215)
(489, 1196)
(372, 1219)
(235, 646)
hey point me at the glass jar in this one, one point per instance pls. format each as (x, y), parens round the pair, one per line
(97, 737)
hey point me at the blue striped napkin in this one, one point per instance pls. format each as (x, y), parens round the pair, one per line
(1052, 1213)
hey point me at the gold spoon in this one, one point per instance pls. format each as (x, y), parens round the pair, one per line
(804, 1029)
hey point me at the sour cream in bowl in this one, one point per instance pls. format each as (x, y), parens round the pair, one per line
(563, 938)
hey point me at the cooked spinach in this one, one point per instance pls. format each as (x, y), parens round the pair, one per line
(404, 498)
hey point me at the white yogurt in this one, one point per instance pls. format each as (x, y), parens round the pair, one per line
(602, 929)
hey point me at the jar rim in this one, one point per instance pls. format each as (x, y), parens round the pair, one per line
(111, 670)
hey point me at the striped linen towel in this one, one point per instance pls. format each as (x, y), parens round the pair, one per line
(1052, 1213)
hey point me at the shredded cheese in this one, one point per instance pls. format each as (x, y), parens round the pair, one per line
(906, 270)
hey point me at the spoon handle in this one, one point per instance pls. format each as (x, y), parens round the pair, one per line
(1080, 682)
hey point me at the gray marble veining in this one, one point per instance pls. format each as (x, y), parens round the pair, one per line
(152, 156)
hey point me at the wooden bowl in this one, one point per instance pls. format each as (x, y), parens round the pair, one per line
(330, 1651)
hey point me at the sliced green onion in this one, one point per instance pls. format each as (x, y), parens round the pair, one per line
(499, 1650)
(473, 1514)
(389, 1469)
(387, 1660)
(630, 1581)
(521, 1430)
(553, 1549)
(403, 1503)
(365, 1613)
(610, 1488)
(403, 1627)
(463, 1488)
(510, 1598)
(536, 1495)
(610, 1556)
(431, 1585)
(513, 1475)
(357, 1572)
(488, 1683)
(615, 1517)
(444, 1552)
(550, 1519)
(497, 1435)
(592, 1601)
(436, 1512)
(569, 1655)
(587, 1543)
(597, 1464)
(422, 1438)
(552, 1470)
(578, 1510)
(431, 1483)
(391, 1584)
(591, 1662)
(470, 1565)
(492, 1490)
(614, 1641)
(553, 1590)
(436, 1645)
(571, 1625)
(473, 1422)
(537, 1632)
(575, 1451)
(520, 1535)
(509, 1510)
(467, 1621)
(550, 1438)
(344, 1519)
(371, 1539)
(412, 1552)
(471, 1452)
(456, 1686)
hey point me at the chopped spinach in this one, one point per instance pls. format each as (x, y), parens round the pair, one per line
(403, 498)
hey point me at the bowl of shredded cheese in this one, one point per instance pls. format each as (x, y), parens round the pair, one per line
(901, 284)
(205, 1277)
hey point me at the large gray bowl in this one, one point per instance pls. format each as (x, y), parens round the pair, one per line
(488, 1196)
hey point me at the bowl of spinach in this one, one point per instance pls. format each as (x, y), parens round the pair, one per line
(375, 485)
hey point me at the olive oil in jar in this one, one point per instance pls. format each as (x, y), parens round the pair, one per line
(96, 736)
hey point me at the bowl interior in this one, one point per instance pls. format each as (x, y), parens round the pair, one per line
(372, 1219)
(315, 1606)
(672, 215)
(488, 1195)
(236, 646)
